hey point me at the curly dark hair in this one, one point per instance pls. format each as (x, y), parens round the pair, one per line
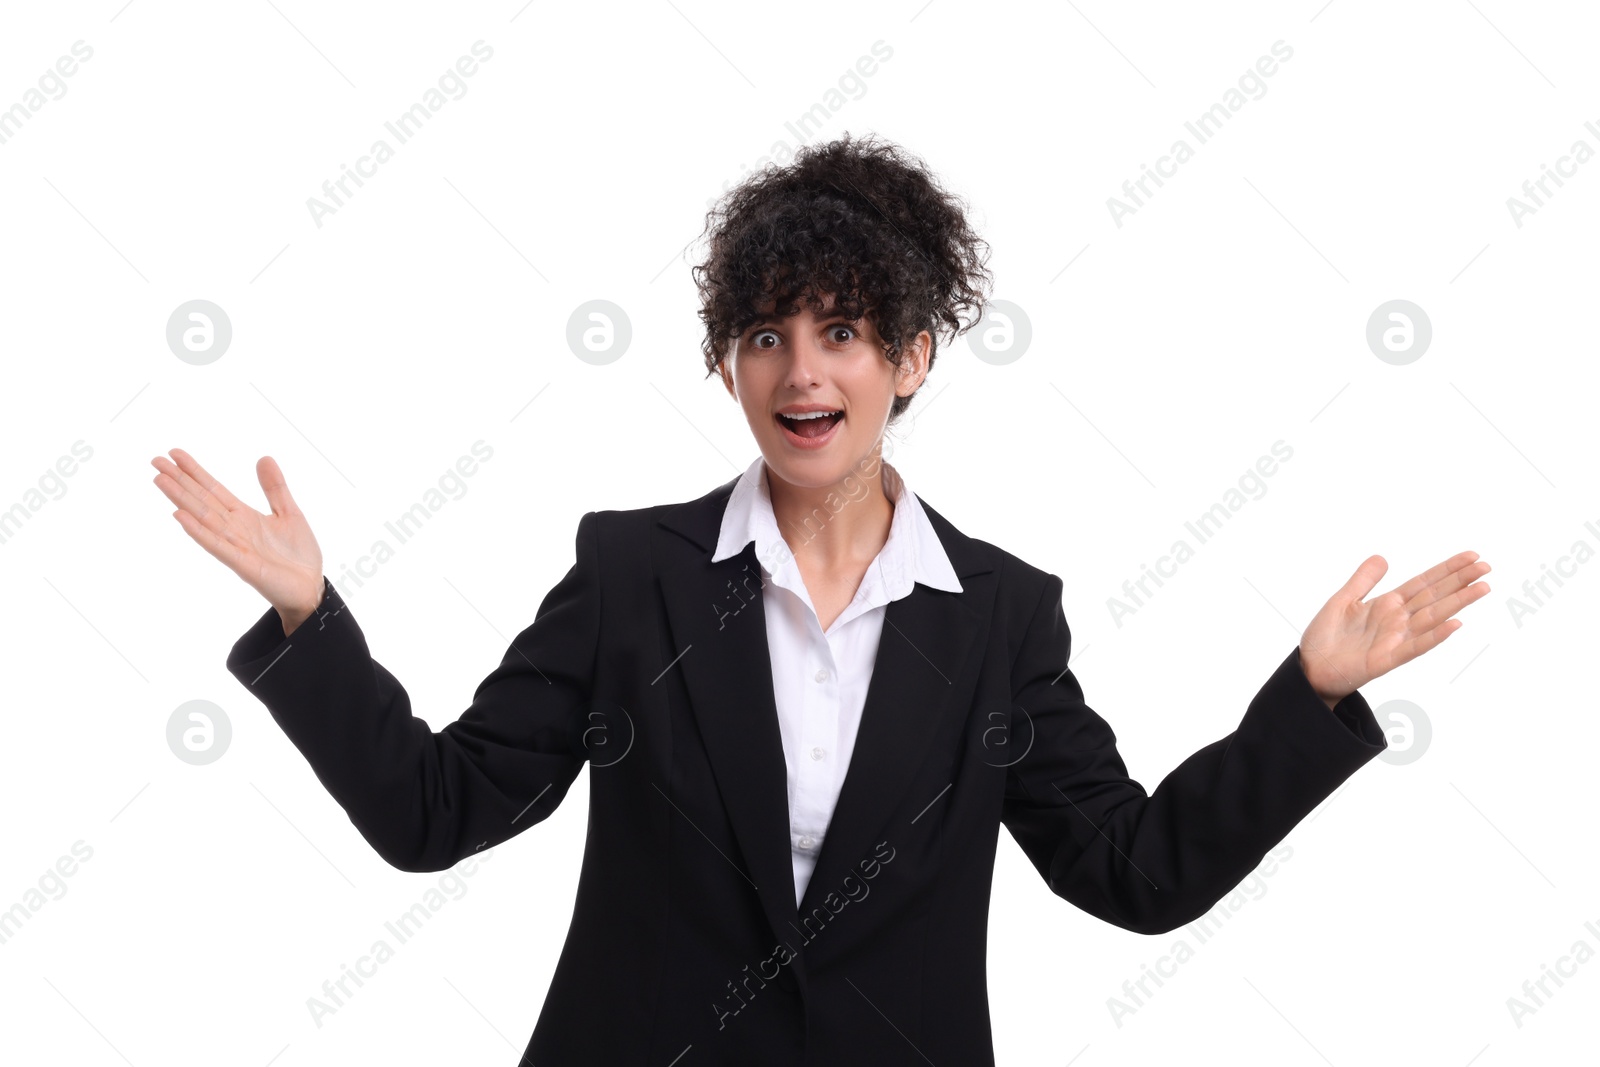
(860, 219)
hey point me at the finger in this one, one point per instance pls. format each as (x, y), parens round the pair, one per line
(231, 555)
(195, 499)
(1431, 616)
(1423, 642)
(1365, 577)
(190, 466)
(202, 507)
(276, 488)
(1447, 585)
(1434, 573)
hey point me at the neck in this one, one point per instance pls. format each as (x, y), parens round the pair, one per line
(843, 523)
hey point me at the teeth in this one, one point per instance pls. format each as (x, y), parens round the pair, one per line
(813, 415)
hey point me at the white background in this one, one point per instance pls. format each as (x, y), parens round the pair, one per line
(429, 312)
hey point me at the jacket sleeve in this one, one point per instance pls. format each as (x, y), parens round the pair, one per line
(425, 800)
(1152, 862)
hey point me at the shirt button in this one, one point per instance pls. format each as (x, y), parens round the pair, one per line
(807, 841)
(818, 753)
(822, 674)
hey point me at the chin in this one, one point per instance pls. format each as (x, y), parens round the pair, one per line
(816, 470)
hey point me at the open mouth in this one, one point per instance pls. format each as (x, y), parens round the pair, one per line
(811, 429)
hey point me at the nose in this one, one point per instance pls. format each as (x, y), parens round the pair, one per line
(805, 363)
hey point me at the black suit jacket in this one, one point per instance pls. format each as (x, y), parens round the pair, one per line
(649, 663)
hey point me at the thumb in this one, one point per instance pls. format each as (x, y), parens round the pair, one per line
(1365, 577)
(273, 484)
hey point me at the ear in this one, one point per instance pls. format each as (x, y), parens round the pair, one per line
(727, 375)
(909, 379)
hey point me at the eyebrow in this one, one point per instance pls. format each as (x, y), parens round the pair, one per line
(826, 316)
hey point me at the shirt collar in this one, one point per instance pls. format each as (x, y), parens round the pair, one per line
(912, 553)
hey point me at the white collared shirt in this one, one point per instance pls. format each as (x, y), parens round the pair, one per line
(819, 680)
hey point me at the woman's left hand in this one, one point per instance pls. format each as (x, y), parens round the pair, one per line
(1351, 641)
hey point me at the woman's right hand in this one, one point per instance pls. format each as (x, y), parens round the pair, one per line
(275, 554)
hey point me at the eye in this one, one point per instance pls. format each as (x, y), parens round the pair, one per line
(755, 338)
(850, 330)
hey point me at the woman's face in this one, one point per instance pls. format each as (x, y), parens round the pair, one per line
(818, 362)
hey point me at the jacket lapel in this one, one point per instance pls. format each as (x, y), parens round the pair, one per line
(923, 666)
(915, 703)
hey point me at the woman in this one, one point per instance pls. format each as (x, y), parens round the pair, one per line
(795, 795)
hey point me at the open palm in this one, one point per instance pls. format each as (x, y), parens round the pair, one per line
(276, 554)
(1352, 641)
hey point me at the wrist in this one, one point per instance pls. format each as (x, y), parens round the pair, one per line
(1330, 699)
(293, 617)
